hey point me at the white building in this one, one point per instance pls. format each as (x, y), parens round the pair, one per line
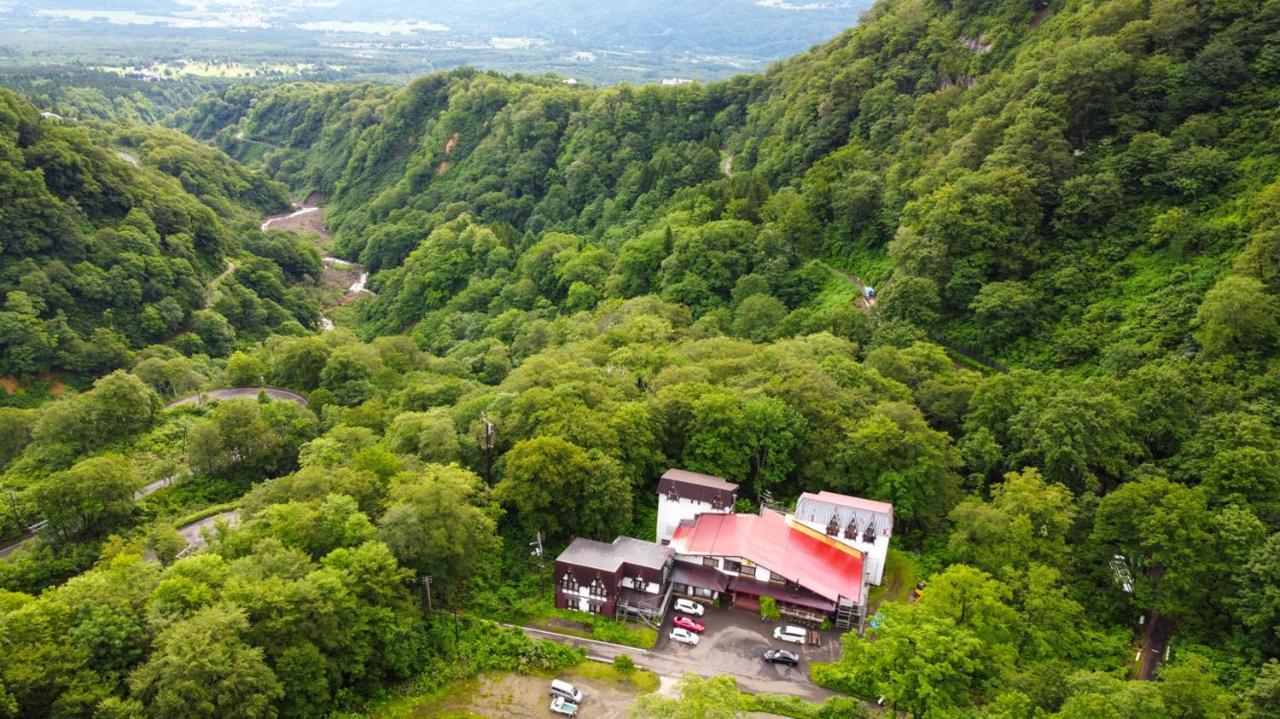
(683, 495)
(864, 524)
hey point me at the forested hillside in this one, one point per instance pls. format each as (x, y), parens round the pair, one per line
(577, 288)
(111, 238)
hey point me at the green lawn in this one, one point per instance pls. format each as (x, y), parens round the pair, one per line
(900, 575)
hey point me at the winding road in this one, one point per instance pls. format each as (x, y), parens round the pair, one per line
(283, 395)
(195, 533)
(191, 531)
(143, 491)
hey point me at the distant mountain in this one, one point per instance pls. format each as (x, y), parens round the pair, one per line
(727, 35)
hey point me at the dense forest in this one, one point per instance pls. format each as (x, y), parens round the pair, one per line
(113, 237)
(1066, 382)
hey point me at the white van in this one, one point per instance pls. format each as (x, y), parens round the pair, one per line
(795, 635)
(561, 688)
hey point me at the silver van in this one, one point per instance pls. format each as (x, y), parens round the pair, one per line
(561, 688)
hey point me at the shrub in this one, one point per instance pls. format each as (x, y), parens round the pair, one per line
(624, 664)
(769, 609)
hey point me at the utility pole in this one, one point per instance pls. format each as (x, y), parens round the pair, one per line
(487, 435)
(426, 582)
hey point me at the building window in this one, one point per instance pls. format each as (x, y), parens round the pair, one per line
(851, 530)
(709, 562)
(672, 494)
(870, 534)
(569, 583)
(833, 527)
(732, 565)
(598, 588)
(717, 502)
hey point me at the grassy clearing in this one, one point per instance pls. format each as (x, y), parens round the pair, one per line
(872, 266)
(900, 575)
(642, 679)
(837, 292)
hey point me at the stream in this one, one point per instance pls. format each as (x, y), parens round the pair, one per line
(309, 218)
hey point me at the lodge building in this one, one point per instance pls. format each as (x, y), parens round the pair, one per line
(817, 562)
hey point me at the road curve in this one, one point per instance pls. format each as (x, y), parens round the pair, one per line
(194, 533)
(239, 393)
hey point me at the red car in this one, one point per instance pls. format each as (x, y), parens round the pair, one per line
(692, 625)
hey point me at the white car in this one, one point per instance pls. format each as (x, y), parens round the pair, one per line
(688, 606)
(684, 636)
(561, 688)
(795, 635)
(560, 705)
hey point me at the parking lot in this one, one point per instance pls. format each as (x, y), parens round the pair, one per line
(733, 642)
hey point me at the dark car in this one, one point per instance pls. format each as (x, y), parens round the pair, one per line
(781, 656)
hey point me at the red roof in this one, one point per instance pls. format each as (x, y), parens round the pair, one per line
(826, 568)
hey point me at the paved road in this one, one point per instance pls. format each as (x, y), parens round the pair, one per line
(141, 492)
(670, 663)
(240, 392)
(194, 532)
(1155, 640)
(152, 487)
(6, 551)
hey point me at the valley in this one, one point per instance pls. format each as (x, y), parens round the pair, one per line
(368, 368)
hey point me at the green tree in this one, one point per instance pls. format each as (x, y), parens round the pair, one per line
(215, 331)
(298, 362)
(1026, 521)
(244, 370)
(1158, 528)
(1263, 698)
(88, 500)
(1004, 310)
(202, 667)
(561, 489)
(437, 524)
(923, 665)
(1237, 317)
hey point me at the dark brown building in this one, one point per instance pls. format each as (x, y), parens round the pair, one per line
(628, 576)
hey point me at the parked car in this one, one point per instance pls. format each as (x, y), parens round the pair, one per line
(793, 634)
(781, 656)
(691, 624)
(688, 606)
(561, 688)
(684, 636)
(560, 705)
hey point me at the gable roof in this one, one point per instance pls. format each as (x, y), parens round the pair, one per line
(698, 487)
(769, 539)
(608, 557)
(846, 500)
(710, 481)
